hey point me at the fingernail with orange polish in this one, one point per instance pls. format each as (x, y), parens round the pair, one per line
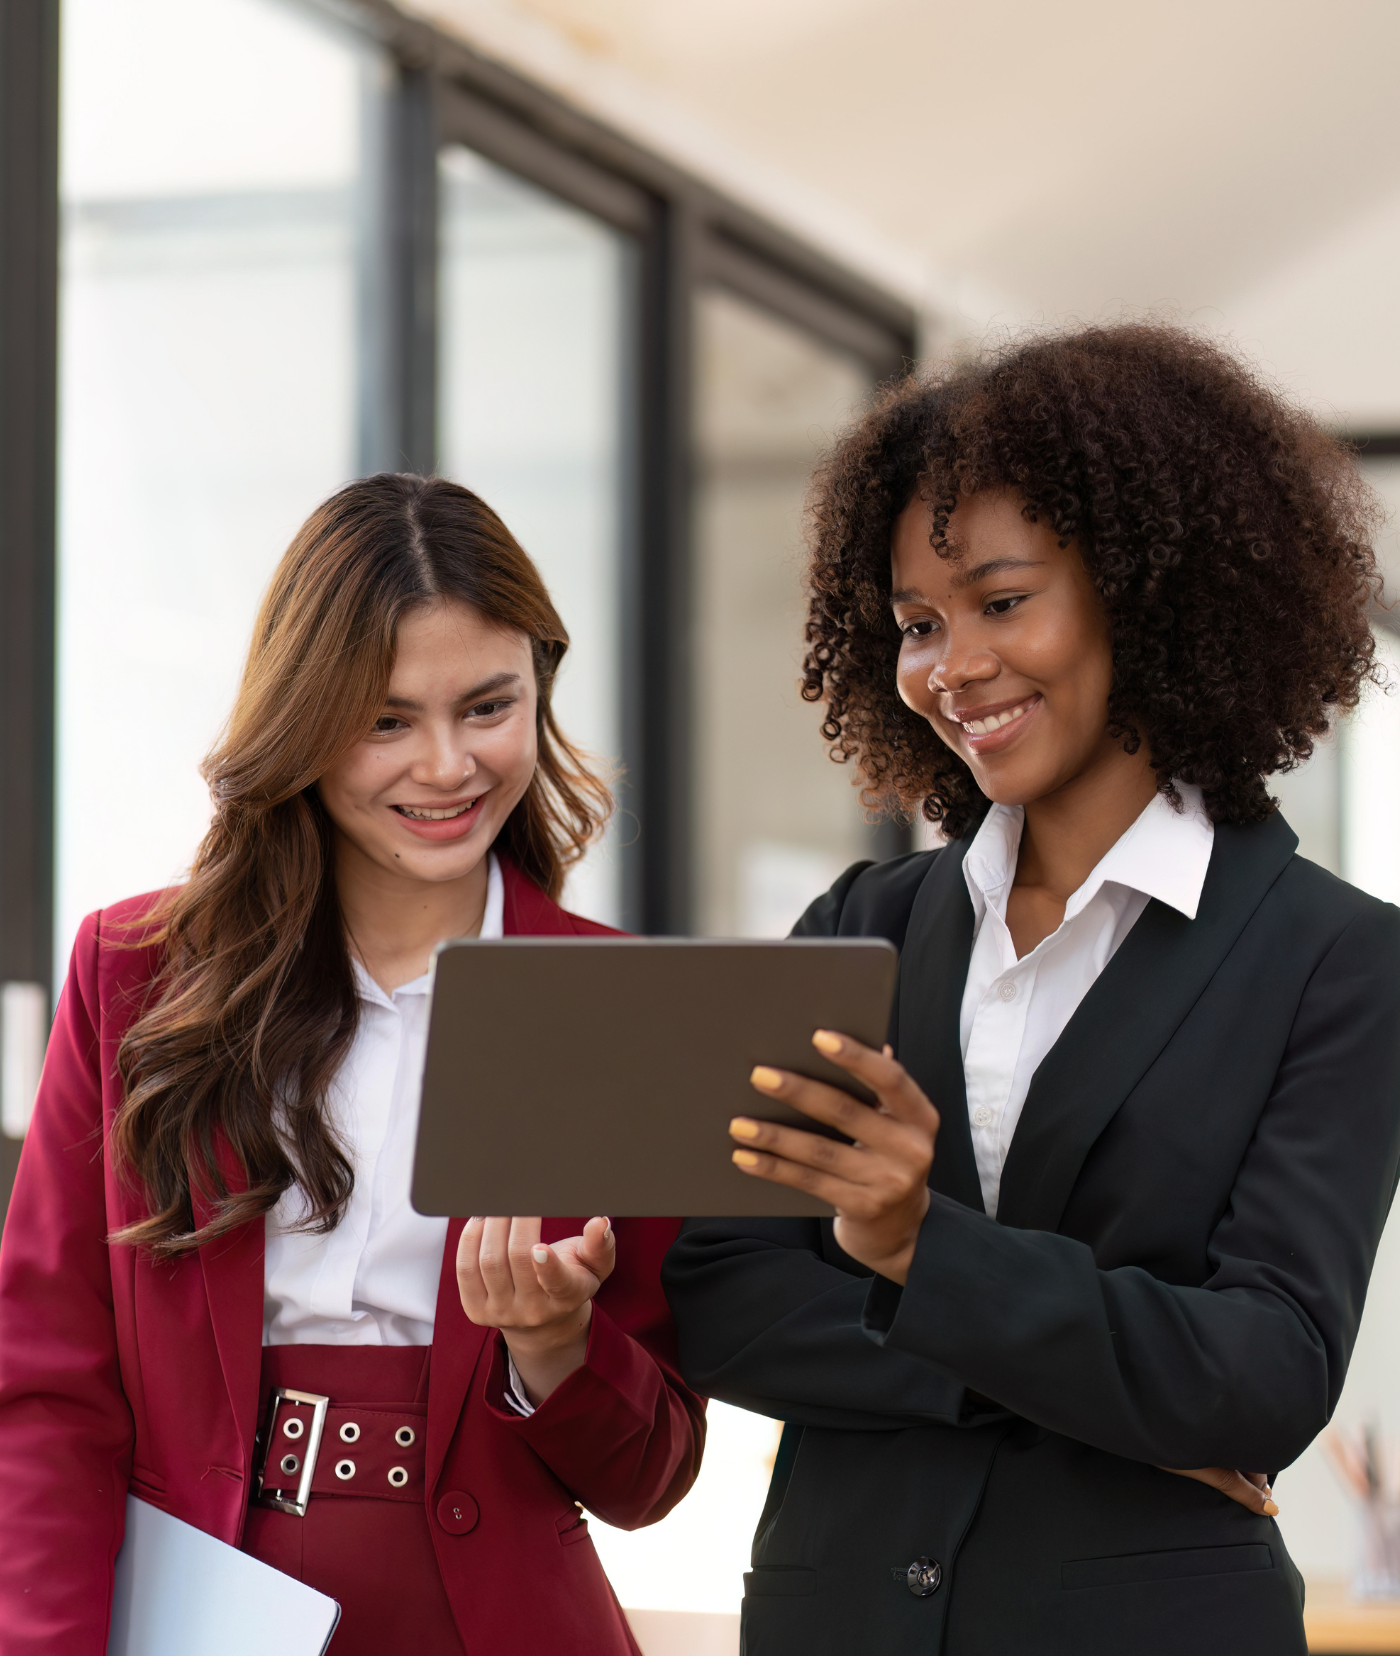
(742, 1127)
(745, 1158)
(769, 1080)
(825, 1041)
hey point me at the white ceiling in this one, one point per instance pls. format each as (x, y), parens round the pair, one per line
(1233, 162)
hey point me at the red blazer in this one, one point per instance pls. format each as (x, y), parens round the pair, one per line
(117, 1373)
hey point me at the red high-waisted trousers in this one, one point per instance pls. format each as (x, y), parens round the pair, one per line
(372, 1551)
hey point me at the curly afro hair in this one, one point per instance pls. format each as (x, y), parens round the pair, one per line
(1228, 535)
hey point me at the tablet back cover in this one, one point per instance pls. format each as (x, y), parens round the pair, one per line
(574, 1076)
(180, 1592)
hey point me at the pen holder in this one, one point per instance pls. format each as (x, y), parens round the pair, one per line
(1378, 1576)
(1365, 1468)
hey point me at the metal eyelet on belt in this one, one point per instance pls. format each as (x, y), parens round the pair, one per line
(290, 1464)
(344, 1470)
(405, 1436)
(293, 1428)
(398, 1476)
(349, 1432)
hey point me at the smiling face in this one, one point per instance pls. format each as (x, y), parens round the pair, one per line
(426, 792)
(1006, 648)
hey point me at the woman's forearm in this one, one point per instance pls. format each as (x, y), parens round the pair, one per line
(767, 1324)
(1175, 1376)
(620, 1432)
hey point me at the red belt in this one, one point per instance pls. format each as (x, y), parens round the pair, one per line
(311, 1446)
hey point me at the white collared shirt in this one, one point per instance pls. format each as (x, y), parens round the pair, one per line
(373, 1280)
(1013, 1011)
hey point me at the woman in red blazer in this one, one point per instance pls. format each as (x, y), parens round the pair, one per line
(212, 1199)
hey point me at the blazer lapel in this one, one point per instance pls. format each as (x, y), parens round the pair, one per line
(928, 1008)
(528, 912)
(1134, 1008)
(457, 1347)
(233, 1280)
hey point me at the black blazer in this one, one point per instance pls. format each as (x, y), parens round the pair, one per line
(1188, 1217)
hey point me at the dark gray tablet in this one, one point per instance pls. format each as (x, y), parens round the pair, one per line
(583, 1075)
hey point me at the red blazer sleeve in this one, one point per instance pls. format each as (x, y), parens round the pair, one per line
(66, 1429)
(624, 1434)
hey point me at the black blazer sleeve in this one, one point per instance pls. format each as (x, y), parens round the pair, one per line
(1245, 1369)
(792, 1343)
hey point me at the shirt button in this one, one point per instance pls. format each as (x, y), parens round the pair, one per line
(983, 1116)
(1006, 989)
(457, 1512)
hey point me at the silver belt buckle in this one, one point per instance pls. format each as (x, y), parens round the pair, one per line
(297, 1460)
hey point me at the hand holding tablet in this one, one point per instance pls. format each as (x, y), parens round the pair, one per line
(878, 1182)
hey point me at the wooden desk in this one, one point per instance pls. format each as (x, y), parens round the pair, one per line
(1342, 1627)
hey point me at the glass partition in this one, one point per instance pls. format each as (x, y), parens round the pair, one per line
(775, 819)
(211, 157)
(1370, 793)
(531, 408)
(1384, 477)
(1343, 803)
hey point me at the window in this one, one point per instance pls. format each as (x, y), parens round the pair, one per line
(208, 391)
(533, 400)
(775, 819)
(1369, 795)
(1342, 803)
(292, 252)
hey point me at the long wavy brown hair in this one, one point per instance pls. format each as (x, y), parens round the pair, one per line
(1229, 536)
(226, 1071)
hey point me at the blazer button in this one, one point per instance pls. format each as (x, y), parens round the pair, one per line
(457, 1512)
(924, 1576)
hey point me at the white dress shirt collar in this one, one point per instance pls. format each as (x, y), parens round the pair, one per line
(1164, 854)
(1015, 1007)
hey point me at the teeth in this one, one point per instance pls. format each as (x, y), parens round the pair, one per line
(436, 816)
(984, 727)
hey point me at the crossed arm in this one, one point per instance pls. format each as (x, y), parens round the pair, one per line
(878, 1183)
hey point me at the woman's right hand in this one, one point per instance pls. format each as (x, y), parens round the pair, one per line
(540, 1295)
(1250, 1489)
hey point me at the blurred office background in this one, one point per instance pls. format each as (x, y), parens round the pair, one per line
(624, 267)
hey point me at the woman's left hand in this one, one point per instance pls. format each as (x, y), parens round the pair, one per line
(1249, 1489)
(540, 1295)
(879, 1184)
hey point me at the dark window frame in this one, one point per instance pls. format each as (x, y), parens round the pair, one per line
(28, 469)
(1376, 445)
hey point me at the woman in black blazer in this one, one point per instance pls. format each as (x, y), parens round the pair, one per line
(1109, 583)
